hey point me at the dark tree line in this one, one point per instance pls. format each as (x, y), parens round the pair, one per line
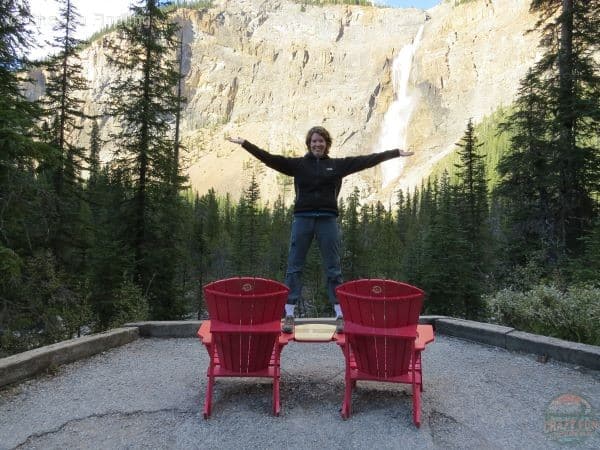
(86, 246)
(551, 176)
(88, 252)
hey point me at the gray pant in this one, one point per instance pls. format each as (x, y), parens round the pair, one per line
(304, 229)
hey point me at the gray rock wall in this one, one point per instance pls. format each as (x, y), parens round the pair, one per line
(268, 70)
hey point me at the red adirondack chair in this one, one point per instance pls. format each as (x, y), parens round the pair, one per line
(243, 336)
(382, 340)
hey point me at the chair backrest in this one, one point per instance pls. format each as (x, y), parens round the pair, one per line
(245, 315)
(381, 318)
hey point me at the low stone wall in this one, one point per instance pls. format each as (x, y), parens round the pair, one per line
(514, 340)
(25, 365)
(167, 329)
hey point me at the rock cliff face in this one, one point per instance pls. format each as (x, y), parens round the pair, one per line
(268, 70)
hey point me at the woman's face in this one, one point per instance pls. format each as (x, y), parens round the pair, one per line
(318, 146)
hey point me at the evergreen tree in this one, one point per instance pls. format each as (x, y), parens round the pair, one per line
(61, 100)
(587, 267)
(23, 194)
(472, 205)
(472, 184)
(19, 153)
(111, 256)
(249, 232)
(385, 246)
(411, 233)
(205, 246)
(145, 101)
(175, 176)
(94, 158)
(443, 273)
(63, 109)
(528, 183)
(278, 239)
(352, 248)
(16, 113)
(567, 79)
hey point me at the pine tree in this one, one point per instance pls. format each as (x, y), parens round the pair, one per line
(62, 99)
(145, 102)
(411, 234)
(568, 78)
(24, 216)
(63, 110)
(352, 248)
(443, 273)
(528, 183)
(472, 183)
(111, 256)
(472, 205)
(278, 239)
(94, 158)
(249, 233)
(586, 268)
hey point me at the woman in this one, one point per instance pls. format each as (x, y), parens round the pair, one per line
(317, 182)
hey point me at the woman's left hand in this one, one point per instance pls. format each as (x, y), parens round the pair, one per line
(405, 153)
(237, 140)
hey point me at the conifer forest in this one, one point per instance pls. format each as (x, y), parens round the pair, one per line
(508, 232)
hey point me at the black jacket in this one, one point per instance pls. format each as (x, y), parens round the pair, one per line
(318, 181)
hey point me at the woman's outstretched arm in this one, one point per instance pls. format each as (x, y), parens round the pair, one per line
(352, 164)
(280, 163)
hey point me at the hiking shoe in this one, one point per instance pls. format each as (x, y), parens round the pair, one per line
(339, 324)
(288, 324)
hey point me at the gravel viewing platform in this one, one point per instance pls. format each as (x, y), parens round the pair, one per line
(149, 394)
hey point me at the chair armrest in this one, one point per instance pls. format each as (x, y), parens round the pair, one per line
(424, 336)
(285, 338)
(409, 331)
(340, 339)
(204, 332)
(218, 326)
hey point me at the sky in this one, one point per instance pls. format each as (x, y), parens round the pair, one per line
(98, 14)
(95, 15)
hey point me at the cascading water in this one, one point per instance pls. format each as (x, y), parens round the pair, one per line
(395, 120)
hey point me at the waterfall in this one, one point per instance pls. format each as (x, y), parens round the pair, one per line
(395, 120)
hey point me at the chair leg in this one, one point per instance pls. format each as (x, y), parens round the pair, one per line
(417, 405)
(415, 362)
(347, 404)
(276, 406)
(276, 363)
(348, 385)
(210, 383)
(420, 371)
(208, 399)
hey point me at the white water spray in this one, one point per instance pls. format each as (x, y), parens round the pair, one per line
(395, 120)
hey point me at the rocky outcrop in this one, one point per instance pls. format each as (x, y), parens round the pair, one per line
(268, 70)
(470, 62)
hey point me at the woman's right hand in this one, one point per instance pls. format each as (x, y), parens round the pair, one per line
(237, 140)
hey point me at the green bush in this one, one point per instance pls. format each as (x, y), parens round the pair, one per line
(129, 305)
(572, 314)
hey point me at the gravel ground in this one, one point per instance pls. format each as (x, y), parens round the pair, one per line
(149, 394)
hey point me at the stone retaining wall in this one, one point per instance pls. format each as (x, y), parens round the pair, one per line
(25, 365)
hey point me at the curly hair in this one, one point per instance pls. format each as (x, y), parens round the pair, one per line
(321, 132)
